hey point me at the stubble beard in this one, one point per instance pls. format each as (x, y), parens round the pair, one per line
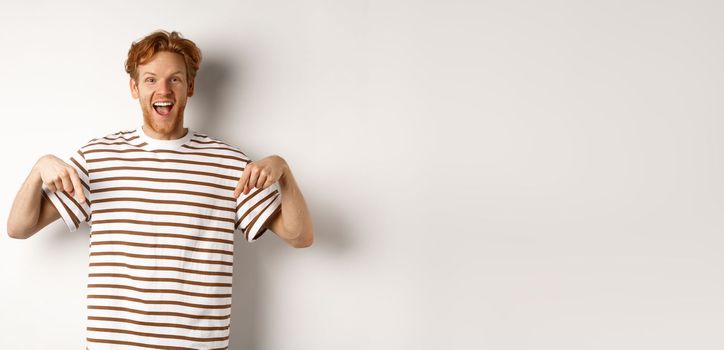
(163, 128)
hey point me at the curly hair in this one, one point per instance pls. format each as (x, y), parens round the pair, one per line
(143, 50)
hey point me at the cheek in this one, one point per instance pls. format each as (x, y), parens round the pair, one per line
(144, 101)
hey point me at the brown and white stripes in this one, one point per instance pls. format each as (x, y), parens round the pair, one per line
(162, 220)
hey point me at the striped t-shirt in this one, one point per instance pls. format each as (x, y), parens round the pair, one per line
(162, 220)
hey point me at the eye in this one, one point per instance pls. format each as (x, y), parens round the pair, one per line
(150, 80)
(176, 79)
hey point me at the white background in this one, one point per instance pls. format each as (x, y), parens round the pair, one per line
(481, 174)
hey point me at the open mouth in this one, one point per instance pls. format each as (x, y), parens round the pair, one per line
(163, 107)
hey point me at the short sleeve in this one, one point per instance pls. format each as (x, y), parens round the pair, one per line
(71, 211)
(255, 210)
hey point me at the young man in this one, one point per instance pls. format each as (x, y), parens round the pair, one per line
(164, 204)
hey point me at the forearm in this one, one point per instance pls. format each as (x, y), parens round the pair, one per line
(295, 214)
(26, 206)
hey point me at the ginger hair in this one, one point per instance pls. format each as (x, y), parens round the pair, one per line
(142, 51)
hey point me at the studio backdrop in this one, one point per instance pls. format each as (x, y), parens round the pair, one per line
(481, 174)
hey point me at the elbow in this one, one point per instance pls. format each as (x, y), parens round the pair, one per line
(19, 231)
(306, 241)
(14, 232)
(305, 244)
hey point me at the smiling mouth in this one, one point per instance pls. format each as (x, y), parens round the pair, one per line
(163, 107)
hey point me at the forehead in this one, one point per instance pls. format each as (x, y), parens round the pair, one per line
(163, 63)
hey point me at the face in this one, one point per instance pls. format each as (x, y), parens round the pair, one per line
(162, 89)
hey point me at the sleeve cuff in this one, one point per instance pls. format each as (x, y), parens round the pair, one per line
(257, 229)
(61, 207)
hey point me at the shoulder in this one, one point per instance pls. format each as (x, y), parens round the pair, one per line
(124, 136)
(204, 140)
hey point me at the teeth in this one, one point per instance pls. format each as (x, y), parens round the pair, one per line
(161, 104)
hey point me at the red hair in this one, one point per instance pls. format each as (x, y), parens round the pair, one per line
(143, 50)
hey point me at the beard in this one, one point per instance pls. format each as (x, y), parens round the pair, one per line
(167, 126)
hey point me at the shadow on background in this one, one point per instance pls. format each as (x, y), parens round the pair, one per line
(214, 77)
(217, 73)
(212, 80)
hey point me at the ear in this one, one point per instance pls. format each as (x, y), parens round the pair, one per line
(191, 88)
(134, 88)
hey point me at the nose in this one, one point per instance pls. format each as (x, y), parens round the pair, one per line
(164, 87)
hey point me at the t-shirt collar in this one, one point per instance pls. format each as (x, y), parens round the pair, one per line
(163, 144)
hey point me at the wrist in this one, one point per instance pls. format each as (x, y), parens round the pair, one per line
(35, 173)
(286, 173)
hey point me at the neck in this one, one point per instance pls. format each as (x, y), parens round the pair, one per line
(165, 134)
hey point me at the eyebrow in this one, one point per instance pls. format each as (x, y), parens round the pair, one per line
(176, 72)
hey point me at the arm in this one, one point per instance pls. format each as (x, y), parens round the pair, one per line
(30, 211)
(290, 219)
(293, 223)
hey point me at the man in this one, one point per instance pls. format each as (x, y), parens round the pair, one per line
(164, 203)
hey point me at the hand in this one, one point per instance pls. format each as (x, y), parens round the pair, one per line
(261, 174)
(58, 175)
